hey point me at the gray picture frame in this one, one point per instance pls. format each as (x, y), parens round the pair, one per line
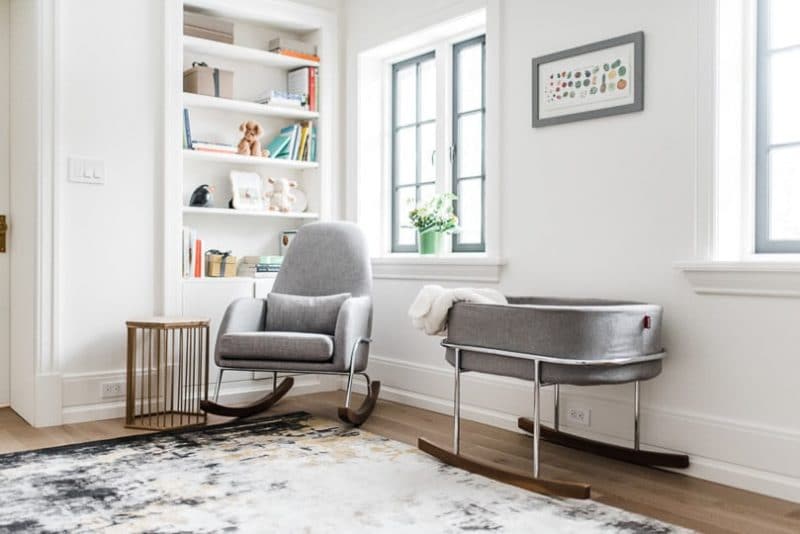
(636, 38)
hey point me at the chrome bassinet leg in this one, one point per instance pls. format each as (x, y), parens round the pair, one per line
(636, 397)
(457, 402)
(556, 411)
(536, 417)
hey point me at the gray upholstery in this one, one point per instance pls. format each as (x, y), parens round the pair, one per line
(296, 313)
(564, 328)
(300, 346)
(324, 259)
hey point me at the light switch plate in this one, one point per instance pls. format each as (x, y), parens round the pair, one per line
(86, 170)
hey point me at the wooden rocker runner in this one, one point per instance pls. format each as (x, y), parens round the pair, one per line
(316, 320)
(553, 342)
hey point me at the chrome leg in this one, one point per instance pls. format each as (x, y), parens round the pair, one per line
(636, 396)
(457, 402)
(556, 411)
(351, 373)
(536, 416)
(219, 385)
(274, 381)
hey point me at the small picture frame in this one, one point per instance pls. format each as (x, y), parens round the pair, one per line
(595, 80)
(248, 193)
(286, 239)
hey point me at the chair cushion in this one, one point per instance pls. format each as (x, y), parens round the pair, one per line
(291, 346)
(294, 313)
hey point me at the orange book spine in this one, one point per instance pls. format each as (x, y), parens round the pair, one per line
(298, 55)
(198, 259)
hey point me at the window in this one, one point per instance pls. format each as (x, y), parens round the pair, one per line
(469, 125)
(778, 127)
(418, 127)
(413, 143)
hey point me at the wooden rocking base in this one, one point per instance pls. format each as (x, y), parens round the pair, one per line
(357, 417)
(572, 490)
(623, 454)
(259, 406)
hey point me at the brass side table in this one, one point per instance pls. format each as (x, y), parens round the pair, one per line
(167, 372)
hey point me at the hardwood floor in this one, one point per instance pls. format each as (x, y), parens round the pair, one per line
(675, 498)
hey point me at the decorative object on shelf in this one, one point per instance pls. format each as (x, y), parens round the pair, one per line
(167, 373)
(260, 266)
(433, 219)
(247, 191)
(204, 80)
(281, 99)
(281, 199)
(300, 203)
(203, 197)
(595, 80)
(220, 264)
(205, 27)
(286, 241)
(250, 144)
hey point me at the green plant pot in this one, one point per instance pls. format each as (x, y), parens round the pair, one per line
(430, 242)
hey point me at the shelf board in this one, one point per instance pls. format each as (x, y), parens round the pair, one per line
(243, 53)
(252, 108)
(227, 279)
(246, 213)
(237, 159)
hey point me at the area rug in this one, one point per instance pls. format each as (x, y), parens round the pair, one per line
(292, 473)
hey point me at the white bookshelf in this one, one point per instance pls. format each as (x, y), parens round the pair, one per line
(253, 161)
(217, 120)
(192, 100)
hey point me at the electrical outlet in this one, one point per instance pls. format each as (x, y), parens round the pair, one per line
(579, 416)
(112, 389)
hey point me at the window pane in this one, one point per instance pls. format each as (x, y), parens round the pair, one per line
(406, 95)
(406, 156)
(427, 88)
(406, 200)
(470, 78)
(427, 152)
(783, 23)
(470, 210)
(784, 172)
(784, 96)
(470, 145)
(426, 192)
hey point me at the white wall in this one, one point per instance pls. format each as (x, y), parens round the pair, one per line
(5, 308)
(603, 208)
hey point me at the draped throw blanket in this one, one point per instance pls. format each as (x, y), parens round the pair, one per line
(429, 310)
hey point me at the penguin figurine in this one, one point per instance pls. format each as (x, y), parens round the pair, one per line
(202, 197)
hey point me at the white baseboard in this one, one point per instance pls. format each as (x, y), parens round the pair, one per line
(735, 453)
(78, 408)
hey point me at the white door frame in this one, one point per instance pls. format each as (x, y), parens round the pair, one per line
(5, 308)
(34, 176)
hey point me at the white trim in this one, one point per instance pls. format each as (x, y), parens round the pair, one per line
(454, 267)
(765, 279)
(723, 450)
(82, 402)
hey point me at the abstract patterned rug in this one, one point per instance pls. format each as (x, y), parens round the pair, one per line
(292, 473)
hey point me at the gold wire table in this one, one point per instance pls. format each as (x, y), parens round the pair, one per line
(167, 374)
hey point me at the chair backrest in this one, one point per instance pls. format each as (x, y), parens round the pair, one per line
(326, 258)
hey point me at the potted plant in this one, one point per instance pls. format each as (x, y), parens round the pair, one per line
(433, 219)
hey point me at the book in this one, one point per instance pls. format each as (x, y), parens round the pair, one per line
(303, 139)
(278, 146)
(214, 147)
(298, 81)
(198, 255)
(298, 55)
(187, 130)
(312, 89)
(192, 261)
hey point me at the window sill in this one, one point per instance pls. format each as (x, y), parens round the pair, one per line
(763, 277)
(449, 268)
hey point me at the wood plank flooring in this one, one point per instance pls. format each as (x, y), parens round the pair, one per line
(675, 498)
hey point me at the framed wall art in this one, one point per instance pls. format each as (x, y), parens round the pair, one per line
(595, 80)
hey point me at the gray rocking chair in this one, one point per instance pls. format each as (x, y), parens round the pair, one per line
(316, 320)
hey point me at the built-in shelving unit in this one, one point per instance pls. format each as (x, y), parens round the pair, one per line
(243, 53)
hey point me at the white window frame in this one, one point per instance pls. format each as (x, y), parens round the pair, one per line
(726, 261)
(369, 196)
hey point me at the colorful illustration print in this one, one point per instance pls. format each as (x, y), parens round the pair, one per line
(587, 84)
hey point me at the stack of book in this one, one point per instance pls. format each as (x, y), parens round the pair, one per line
(192, 254)
(281, 98)
(296, 142)
(203, 146)
(260, 266)
(293, 48)
(305, 81)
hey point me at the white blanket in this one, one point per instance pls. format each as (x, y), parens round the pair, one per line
(429, 310)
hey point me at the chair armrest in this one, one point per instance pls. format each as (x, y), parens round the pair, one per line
(242, 315)
(353, 322)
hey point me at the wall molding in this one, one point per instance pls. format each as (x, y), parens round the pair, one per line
(438, 268)
(760, 279)
(82, 402)
(722, 450)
